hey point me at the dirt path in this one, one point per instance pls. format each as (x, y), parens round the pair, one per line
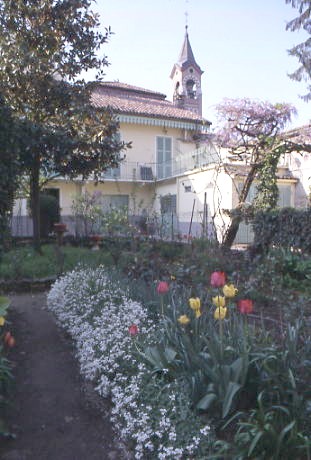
(55, 415)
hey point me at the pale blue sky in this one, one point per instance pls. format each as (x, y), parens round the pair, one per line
(240, 44)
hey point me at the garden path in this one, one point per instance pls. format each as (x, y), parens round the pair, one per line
(54, 414)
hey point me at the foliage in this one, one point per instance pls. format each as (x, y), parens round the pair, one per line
(8, 168)
(302, 51)
(5, 365)
(87, 208)
(96, 218)
(276, 427)
(284, 227)
(171, 381)
(267, 190)
(49, 213)
(63, 133)
(153, 416)
(25, 263)
(251, 131)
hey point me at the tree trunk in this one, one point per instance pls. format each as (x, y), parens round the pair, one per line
(234, 225)
(35, 203)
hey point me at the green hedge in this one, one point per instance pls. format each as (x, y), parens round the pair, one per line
(283, 227)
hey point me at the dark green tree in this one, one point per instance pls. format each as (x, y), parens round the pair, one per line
(302, 51)
(9, 168)
(45, 45)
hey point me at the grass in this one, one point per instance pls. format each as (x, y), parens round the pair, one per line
(25, 263)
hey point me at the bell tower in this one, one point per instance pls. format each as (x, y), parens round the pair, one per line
(186, 77)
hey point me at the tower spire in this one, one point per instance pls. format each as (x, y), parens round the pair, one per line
(186, 76)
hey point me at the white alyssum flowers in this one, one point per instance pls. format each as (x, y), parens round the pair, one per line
(97, 311)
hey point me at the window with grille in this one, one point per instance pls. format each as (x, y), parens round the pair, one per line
(168, 204)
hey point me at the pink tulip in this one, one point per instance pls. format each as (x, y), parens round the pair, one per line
(218, 279)
(162, 287)
(133, 330)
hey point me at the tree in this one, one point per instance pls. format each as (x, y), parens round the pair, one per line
(44, 47)
(8, 168)
(252, 132)
(303, 50)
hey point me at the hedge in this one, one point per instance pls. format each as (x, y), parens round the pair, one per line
(283, 227)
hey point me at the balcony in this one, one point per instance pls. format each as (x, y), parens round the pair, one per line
(129, 171)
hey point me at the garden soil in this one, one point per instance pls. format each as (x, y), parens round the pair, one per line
(54, 414)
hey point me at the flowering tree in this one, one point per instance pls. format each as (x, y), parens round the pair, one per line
(252, 132)
(303, 50)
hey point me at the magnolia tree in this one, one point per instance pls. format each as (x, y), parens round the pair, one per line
(8, 168)
(44, 48)
(302, 51)
(253, 133)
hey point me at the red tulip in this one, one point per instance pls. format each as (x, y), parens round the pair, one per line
(7, 337)
(245, 306)
(133, 330)
(11, 341)
(218, 279)
(162, 287)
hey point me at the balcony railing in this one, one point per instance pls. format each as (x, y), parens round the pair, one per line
(150, 172)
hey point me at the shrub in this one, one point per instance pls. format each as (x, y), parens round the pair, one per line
(49, 213)
(283, 227)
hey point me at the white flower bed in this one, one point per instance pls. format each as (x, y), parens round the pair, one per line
(153, 417)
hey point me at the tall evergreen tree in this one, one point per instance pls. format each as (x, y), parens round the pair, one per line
(302, 51)
(45, 45)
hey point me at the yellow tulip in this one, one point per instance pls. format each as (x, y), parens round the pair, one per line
(2, 321)
(198, 313)
(195, 303)
(220, 313)
(219, 301)
(183, 320)
(229, 290)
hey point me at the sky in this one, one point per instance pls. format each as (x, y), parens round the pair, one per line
(241, 45)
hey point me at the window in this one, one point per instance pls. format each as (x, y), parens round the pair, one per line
(113, 173)
(168, 204)
(164, 157)
(146, 173)
(115, 201)
(284, 199)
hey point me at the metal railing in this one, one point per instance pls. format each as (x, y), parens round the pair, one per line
(150, 172)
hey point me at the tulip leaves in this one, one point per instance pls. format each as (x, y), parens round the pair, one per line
(227, 380)
(4, 305)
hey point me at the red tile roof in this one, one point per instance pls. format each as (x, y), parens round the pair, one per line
(300, 135)
(131, 100)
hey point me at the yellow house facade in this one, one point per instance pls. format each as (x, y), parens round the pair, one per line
(173, 174)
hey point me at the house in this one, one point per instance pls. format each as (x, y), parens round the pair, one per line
(173, 174)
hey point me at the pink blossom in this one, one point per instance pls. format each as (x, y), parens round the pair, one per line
(133, 330)
(162, 287)
(218, 279)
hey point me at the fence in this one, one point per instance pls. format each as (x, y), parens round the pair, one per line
(164, 226)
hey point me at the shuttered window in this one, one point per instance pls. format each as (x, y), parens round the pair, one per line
(164, 157)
